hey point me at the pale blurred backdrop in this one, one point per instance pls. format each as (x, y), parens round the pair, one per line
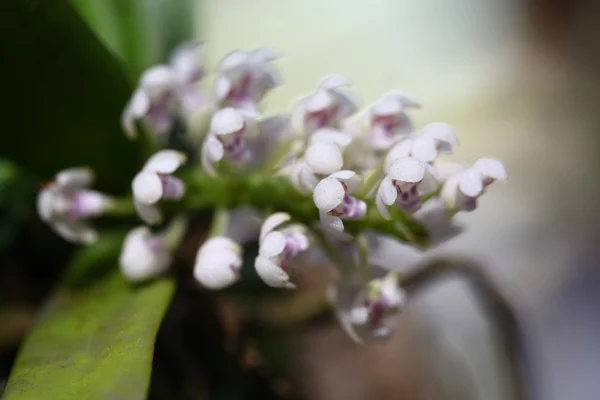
(519, 81)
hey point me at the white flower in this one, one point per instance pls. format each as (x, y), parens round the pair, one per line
(435, 138)
(154, 183)
(321, 159)
(328, 107)
(151, 102)
(332, 198)
(164, 91)
(407, 180)
(144, 255)
(218, 263)
(245, 78)
(278, 248)
(461, 191)
(65, 203)
(369, 312)
(188, 73)
(387, 119)
(244, 140)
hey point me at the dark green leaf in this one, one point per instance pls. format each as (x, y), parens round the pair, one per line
(96, 337)
(62, 95)
(140, 32)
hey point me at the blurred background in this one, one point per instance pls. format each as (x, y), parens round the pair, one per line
(519, 80)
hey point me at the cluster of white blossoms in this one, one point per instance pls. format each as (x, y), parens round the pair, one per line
(324, 176)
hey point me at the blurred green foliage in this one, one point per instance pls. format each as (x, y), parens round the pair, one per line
(95, 339)
(139, 32)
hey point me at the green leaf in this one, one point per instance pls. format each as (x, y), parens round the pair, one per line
(96, 337)
(62, 95)
(140, 32)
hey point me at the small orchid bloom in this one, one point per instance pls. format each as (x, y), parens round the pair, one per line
(242, 139)
(407, 180)
(245, 77)
(144, 255)
(155, 182)
(151, 102)
(328, 107)
(165, 91)
(387, 119)
(279, 244)
(461, 191)
(188, 73)
(321, 159)
(332, 196)
(370, 312)
(434, 139)
(333, 136)
(218, 263)
(66, 203)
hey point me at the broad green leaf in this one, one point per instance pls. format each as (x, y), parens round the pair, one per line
(62, 95)
(140, 32)
(95, 338)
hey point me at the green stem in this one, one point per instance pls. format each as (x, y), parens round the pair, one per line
(363, 252)
(121, 207)
(219, 223)
(372, 180)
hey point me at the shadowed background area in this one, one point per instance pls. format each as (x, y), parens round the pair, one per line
(519, 81)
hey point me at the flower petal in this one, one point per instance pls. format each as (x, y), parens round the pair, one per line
(138, 260)
(212, 153)
(165, 161)
(351, 179)
(328, 194)
(45, 201)
(272, 274)
(221, 88)
(324, 158)
(75, 178)
(334, 82)
(400, 150)
(263, 55)
(137, 107)
(149, 213)
(381, 206)
(492, 168)
(147, 187)
(331, 136)
(331, 223)
(387, 191)
(470, 183)
(403, 98)
(424, 148)
(433, 215)
(442, 132)
(407, 169)
(272, 244)
(156, 80)
(272, 222)
(75, 231)
(227, 121)
(319, 101)
(233, 59)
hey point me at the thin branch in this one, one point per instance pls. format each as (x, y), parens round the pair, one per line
(498, 310)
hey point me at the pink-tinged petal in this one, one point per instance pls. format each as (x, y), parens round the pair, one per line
(400, 150)
(233, 59)
(272, 244)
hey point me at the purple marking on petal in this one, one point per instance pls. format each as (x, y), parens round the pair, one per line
(173, 188)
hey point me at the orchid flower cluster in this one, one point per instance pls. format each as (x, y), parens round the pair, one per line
(328, 178)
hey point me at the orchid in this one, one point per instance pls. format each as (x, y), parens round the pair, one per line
(67, 202)
(349, 189)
